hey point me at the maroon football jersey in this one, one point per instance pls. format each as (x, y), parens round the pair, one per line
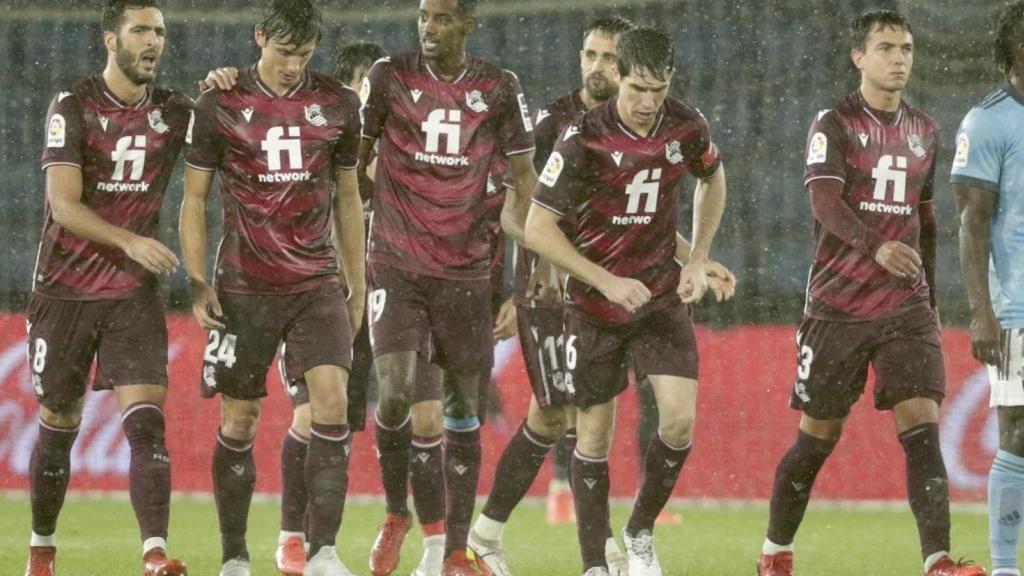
(551, 122)
(126, 153)
(624, 190)
(887, 165)
(276, 157)
(437, 140)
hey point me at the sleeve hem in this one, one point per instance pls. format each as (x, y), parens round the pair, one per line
(198, 167)
(547, 207)
(976, 182)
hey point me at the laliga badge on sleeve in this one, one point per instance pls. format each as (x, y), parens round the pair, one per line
(552, 170)
(818, 150)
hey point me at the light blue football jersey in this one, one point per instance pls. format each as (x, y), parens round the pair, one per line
(990, 155)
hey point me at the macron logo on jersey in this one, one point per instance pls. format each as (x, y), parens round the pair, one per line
(276, 145)
(442, 123)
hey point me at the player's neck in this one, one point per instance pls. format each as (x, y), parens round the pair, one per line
(1017, 81)
(589, 101)
(642, 131)
(271, 81)
(879, 99)
(127, 91)
(448, 67)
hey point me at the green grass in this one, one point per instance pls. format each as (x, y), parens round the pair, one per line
(98, 536)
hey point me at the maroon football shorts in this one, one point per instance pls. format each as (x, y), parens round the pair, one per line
(313, 325)
(541, 337)
(662, 343)
(447, 320)
(128, 339)
(832, 362)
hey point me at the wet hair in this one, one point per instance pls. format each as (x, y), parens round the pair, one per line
(467, 7)
(1009, 36)
(352, 56)
(113, 12)
(295, 21)
(866, 23)
(647, 50)
(610, 25)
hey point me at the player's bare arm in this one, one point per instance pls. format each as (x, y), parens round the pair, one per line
(350, 233)
(721, 280)
(513, 213)
(975, 207)
(545, 238)
(365, 150)
(64, 193)
(192, 233)
(708, 205)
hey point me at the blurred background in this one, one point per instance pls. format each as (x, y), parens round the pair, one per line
(758, 69)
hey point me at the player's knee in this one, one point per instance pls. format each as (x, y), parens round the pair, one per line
(330, 410)
(594, 442)
(240, 420)
(678, 429)
(549, 422)
(145, 429)
(1011, 431)
(62, 415)
(301, 419)
(427, 419)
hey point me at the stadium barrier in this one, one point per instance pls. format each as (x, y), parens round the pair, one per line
(743, 424)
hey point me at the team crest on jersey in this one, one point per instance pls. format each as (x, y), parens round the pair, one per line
(315, 115)
(156, 122)
(914, 142)
(475, 101)
(963, 149)
(210, 376)
(817, 152)
(56, 132)
(674, 152)
(552, 170)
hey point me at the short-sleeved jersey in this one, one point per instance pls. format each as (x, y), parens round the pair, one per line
(276, 158)
(436, 143)
(498, 183)
(624, 190)
(551, 122)
(886, 163)
(127, 153)
(990, 156)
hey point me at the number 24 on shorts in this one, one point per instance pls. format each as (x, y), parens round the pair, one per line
(220, 349)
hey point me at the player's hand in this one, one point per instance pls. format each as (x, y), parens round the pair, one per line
(355, 305)
(505, 325)
(544, 283)
(223, 78)
(205, 305)
(721, 281)
(985, 332)
(629, 293)
(152, 255)
(693, 281)
(898, 259)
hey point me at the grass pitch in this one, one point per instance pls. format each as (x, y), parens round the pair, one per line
(98, 536)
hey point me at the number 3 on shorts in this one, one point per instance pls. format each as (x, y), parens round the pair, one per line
(804, 359)
(220, 349)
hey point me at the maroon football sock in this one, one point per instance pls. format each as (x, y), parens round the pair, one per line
(293, 481)
(461, 474)
(234, 478)
(326, 482)
(927, 487)
(426, 476)
(49, 472)
(149, 476)
(590, 491)
(662, 465)
(794, 479)
(516, 471)
(563, 454)
(393, 453)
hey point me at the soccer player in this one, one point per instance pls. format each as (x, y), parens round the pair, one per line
(618, 169)
(285, 144)
(440, 117)
(111, 144)
(870, 168)
(988, 176)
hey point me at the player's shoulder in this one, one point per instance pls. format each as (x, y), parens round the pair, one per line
(77, 92)
(997, 111)
(678, 111)
(172, 99)
(406, 62)
(920, 117)
(567, 106)
(333, 88)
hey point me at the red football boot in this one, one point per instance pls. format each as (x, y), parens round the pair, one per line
(946, 567)
(40, 561)
(290, 556)
(560, 506)
(458, 564)
(780, 564)
(387, 548)
(156, 563)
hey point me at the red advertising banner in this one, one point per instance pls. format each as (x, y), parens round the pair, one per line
(744, 424)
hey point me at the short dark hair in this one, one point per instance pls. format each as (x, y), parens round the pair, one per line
(1009, 35)
(467, 7)
(113, 12)
(646, 49)
(610, 25)
(352, 56)
(296, 21)
(864, 24)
